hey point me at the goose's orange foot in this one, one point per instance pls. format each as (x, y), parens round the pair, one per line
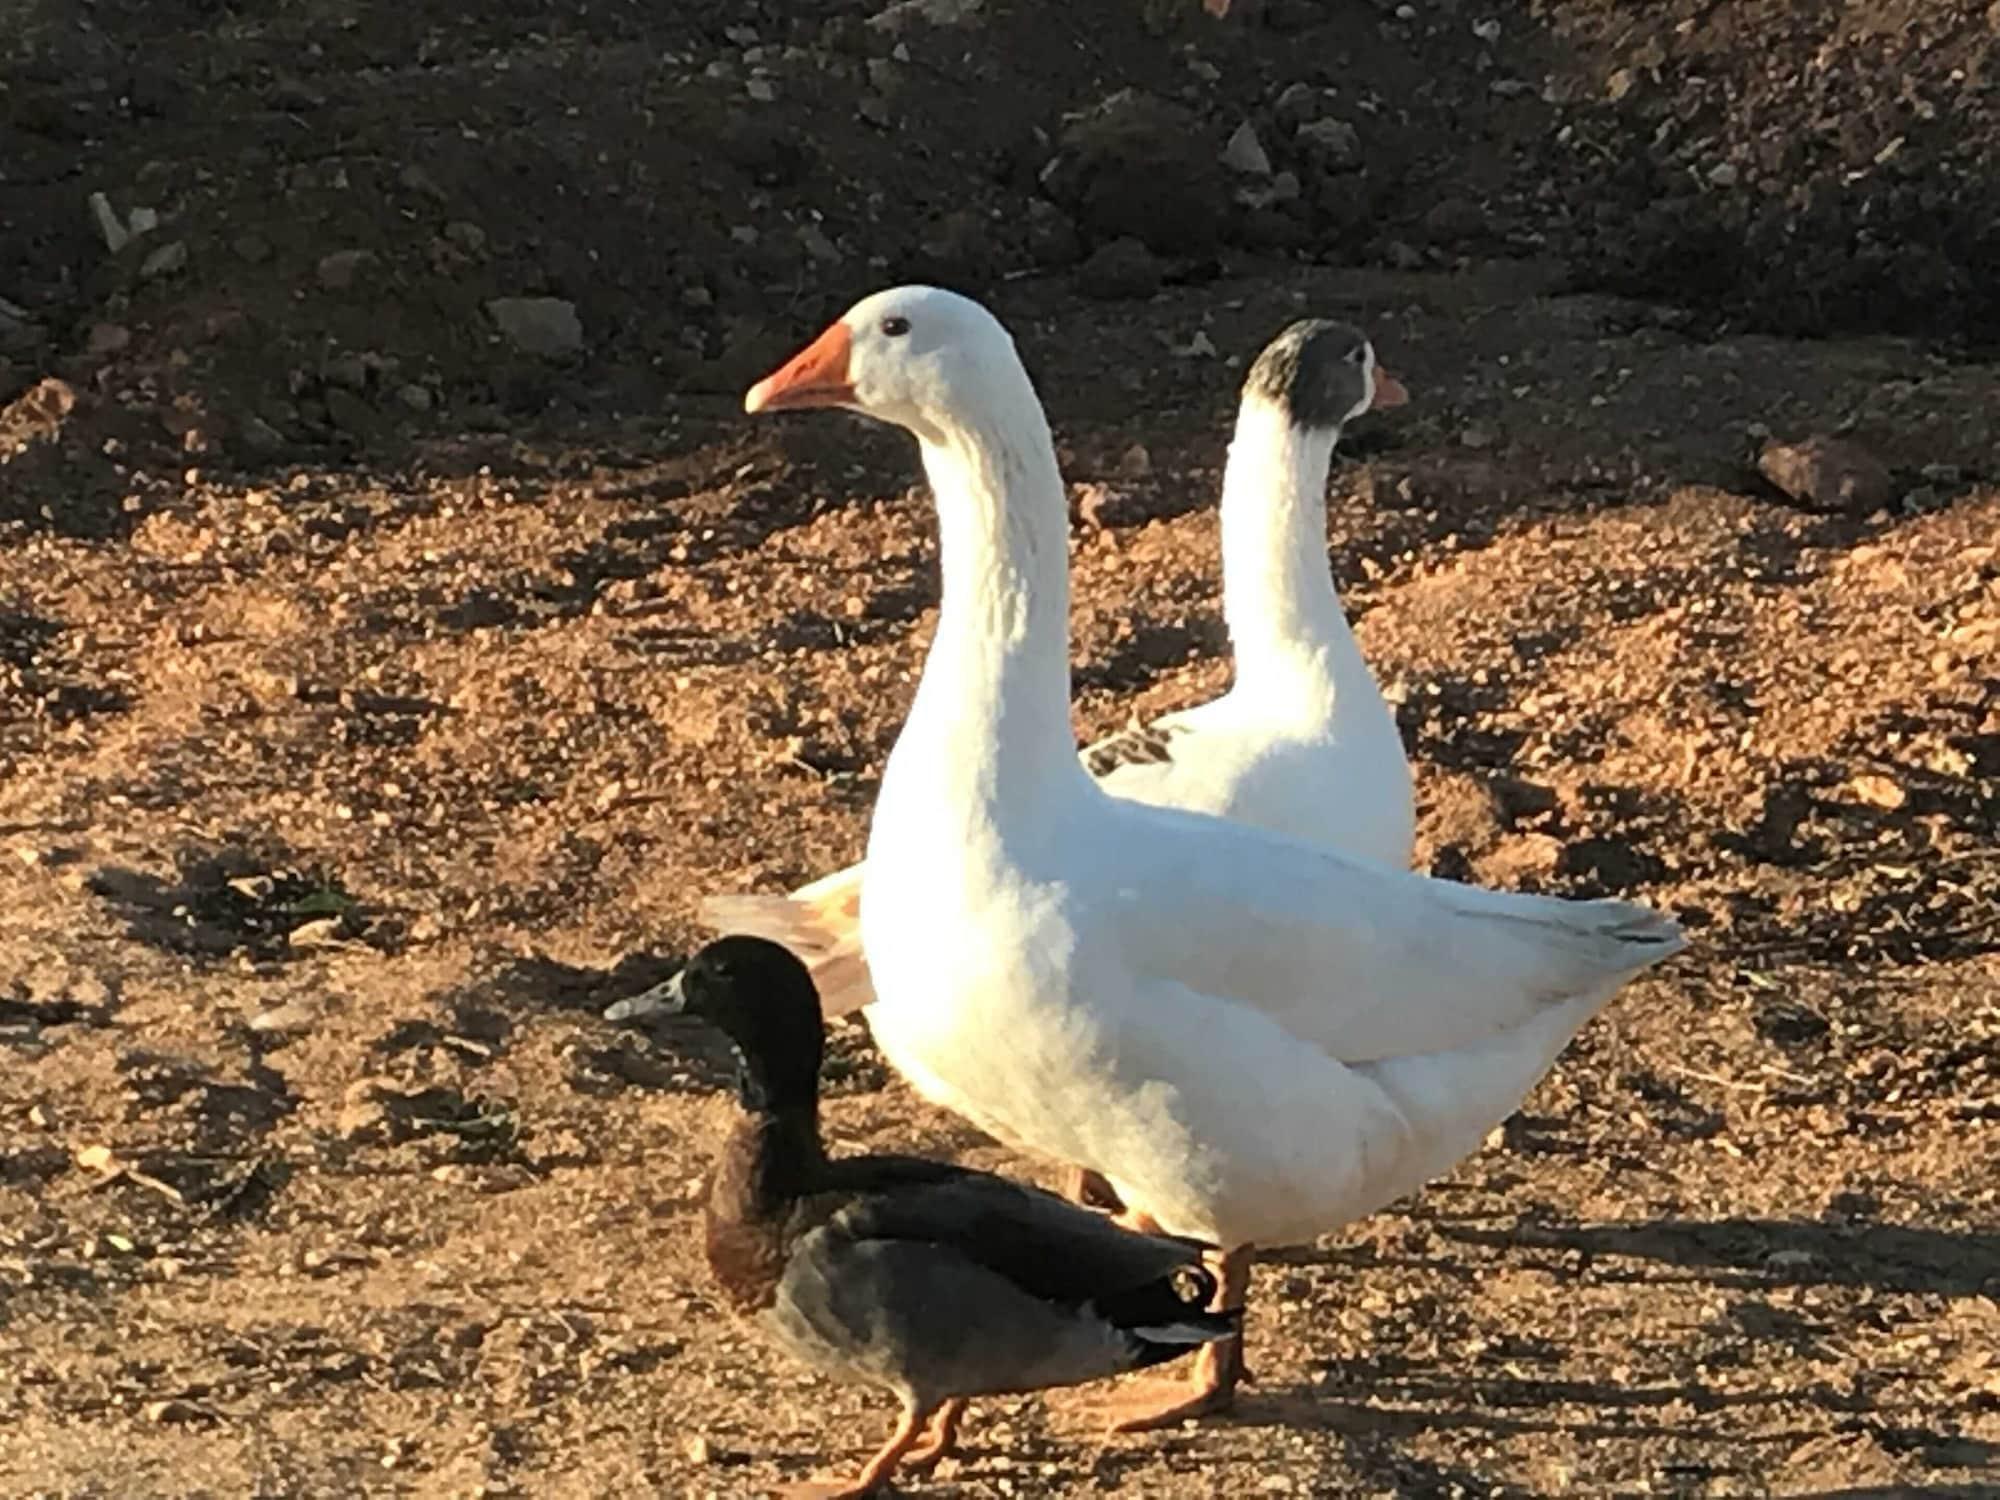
(1148, 1405)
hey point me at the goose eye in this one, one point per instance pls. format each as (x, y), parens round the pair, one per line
(895, 328)
(1358, 355)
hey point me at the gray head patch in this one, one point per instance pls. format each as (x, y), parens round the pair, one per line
(1316, 371)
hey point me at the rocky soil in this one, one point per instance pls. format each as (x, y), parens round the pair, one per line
(401, 627)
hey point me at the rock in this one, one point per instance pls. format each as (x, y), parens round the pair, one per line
(353, 415)
(260, 436)
(467, 236)
(1453, 221)
(116, 235)
(165, 260)
(364, 1113)
(414, 396)
(1139, 166)
(107, 338)
(19, 332)
(417, 180)
(1245, 153)
(347, 370)
(340, 269)
(905, 13)
(1331, 143)
(1299, 103)
(1123, 268)
(1828, 474)
(544, 326)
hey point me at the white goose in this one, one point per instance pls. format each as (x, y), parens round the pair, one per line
(1254, 1039)
(1302, 743)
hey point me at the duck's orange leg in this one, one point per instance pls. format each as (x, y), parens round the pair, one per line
(940, 1438)
(877, 1471)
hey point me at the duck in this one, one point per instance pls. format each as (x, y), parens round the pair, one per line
(1253, 1039)
(932, 1281)
(1303, 742)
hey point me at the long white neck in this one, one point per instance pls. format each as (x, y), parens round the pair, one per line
(991, 721)
(1286, 623)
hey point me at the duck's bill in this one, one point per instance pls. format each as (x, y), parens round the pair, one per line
(661, 1000)
(1389, 391)
(815, 376)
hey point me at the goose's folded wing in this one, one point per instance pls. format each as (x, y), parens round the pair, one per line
(1363, 962)
(1041, 1243)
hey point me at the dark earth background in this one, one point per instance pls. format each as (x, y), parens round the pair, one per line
(401, 628)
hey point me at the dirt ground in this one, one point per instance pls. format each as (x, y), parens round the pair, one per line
(378, 695)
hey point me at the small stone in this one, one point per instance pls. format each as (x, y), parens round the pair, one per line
(346, 369)
(1724, 175)
(1245, 153)
(1828, 474)
(107, 338)
(875, 111)
(466, 235)
(1619, 84)
(165, 260)
(698, 1449)
(1477, 437)
(353, 415)
(416, 397)
(818, 245)
(761, 89)
(1136, 462)
(1877, 791)
(342, 268)
(1453, 220)
(417, 180)
(1299, 103)
(253, 248)
(282, 1020)
(259, 436)
(1333, 143)
(1488, 31)
(1123, 268)
(96, 1159)
(899, 16)
(544, 326)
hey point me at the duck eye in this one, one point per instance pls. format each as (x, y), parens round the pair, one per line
(895, 328)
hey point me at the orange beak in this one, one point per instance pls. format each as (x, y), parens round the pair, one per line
(1389, 391)
(815, 376)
